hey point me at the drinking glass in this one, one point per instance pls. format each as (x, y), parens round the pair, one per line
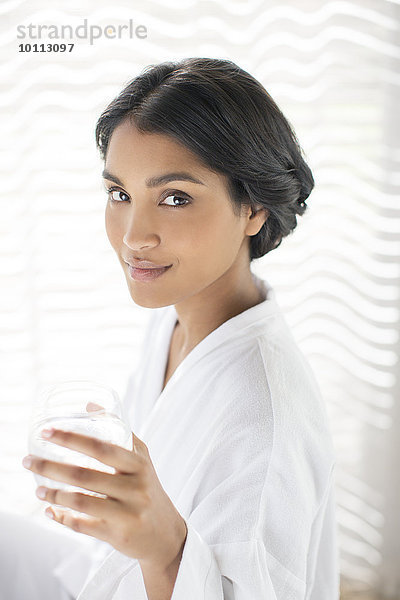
(82, 406)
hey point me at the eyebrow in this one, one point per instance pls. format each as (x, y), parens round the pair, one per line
(158, 180)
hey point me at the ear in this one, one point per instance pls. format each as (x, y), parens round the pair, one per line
(256, 219)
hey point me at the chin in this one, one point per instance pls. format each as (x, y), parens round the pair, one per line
(149, 304)
(147, 300)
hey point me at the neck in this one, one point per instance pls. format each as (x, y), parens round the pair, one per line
(228, 296)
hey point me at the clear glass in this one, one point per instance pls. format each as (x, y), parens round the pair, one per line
(82, 406)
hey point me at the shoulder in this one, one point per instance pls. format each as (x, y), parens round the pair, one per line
(262, 367)
(268, 387)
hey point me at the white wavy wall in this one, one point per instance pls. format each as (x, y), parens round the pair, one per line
(333, 68)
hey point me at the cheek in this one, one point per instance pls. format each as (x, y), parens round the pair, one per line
(211, 238)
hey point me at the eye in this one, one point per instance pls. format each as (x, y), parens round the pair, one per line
(179, 197)
(113, 195)
(117, 195)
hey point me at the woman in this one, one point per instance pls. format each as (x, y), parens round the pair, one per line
(229, 490)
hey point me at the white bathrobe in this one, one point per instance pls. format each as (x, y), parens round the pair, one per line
(241, 443)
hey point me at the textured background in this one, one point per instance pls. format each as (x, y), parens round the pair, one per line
(65, 311)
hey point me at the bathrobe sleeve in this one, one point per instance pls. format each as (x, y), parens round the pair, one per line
(230, 571)
(200, 572)
(251, 573)
(246, 570)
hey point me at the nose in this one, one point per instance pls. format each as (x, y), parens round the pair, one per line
(141, 230)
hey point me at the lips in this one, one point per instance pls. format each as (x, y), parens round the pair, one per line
(145, 265)
(147, 274)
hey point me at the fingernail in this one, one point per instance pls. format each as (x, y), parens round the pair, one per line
(41, 492)
(46, 433)
(49, 513)
(26, 462)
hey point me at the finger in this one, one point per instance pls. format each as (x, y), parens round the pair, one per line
(90, 479)
(90, 406)
(121, 459)
(102, 508)
(90, 526)
(139, 447)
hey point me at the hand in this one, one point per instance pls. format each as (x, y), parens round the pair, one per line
(136, 516)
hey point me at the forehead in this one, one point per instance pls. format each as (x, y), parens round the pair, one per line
(130, 149)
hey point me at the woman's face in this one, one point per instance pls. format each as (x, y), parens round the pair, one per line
(189, 225)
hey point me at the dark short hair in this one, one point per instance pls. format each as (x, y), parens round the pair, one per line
(228, 119)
